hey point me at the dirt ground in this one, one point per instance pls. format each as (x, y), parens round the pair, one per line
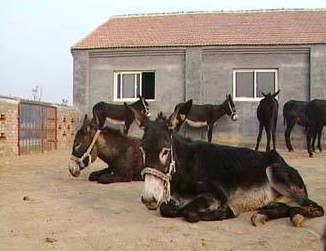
(42, 207)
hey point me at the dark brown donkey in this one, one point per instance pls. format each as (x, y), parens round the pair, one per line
(118, 114)
(294, 112)
(267, 113)
(120, 152)
(316, 120)
(206, 115)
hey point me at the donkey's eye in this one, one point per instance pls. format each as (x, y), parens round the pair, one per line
(165, 151)
(77, 145)
(163, 155)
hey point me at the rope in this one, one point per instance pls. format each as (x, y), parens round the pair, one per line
(89, 149)
(165, 177)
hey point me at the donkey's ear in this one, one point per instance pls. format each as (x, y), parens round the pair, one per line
(179, 115)
(263, 93)
(86, 120)
(276, 93)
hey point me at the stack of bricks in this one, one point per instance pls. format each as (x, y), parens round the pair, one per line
(67, 124)
(8, 127)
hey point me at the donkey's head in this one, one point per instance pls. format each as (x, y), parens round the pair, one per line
(142, 106)
(84, 148)
(140, 117)
(270, 96)
(156, 146)
(230, 110)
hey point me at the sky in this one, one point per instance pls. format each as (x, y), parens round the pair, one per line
(36, 36)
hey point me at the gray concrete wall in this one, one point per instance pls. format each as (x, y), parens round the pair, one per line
(218, 66)
(205, 75)
(81, 80)
(318, 71)
(169, 76)
(193, 73)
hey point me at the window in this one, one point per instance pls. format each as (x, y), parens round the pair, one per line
(128, 85)
(249, 84)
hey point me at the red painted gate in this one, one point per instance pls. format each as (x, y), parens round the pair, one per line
(37, 128)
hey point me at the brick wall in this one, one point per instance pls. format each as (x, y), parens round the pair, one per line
(67, 123)
(8, 127)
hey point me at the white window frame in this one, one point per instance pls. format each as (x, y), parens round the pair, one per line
(255, 71)
(115, 89)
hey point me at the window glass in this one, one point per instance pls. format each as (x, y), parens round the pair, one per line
(131, 84)
(245, 84)
(118, 86)
(138, 84)
(128, 85)
(148, 85)
(265, 82)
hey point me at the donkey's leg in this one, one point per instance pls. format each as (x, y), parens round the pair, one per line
(170, 209)
(210, 132)
(268, 136)
(309, 136)
(206, 207)
(117, 176)
(259, 136)
(309, 208)
(126, 127)
(94, 176)
(273, 210)
(274, 138)
(313, 141)
(288, 182)
(287, 134)
(319, 134)
(276, 210)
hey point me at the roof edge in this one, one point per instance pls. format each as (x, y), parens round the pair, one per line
(215, 12)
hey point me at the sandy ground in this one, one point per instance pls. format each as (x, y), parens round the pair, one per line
(43, 208)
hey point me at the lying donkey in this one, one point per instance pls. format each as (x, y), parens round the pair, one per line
(120, 152)
(198, 180)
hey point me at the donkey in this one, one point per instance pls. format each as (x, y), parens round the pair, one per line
(294, 112)
(206, 115)
(316, 120)
(198, 180)
(120, 152)
(118, 114)
(267, 113)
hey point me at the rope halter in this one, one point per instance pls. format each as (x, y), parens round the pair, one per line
(233, 114)
(88, 151)
(165, 177)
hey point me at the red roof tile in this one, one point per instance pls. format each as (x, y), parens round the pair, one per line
(275, 27)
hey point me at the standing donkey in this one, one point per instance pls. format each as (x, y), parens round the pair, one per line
(206, 115)
(267, 113)
(119, 114)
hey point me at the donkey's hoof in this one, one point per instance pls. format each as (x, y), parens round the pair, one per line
(258, 219)
(94, 176)
(298, 220)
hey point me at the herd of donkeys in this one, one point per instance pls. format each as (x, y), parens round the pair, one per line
(195, 179)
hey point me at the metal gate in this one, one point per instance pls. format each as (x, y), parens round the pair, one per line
(37, 128)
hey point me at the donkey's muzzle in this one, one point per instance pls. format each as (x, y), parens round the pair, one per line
(73, 167)
(148, 114)
(234, 117)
